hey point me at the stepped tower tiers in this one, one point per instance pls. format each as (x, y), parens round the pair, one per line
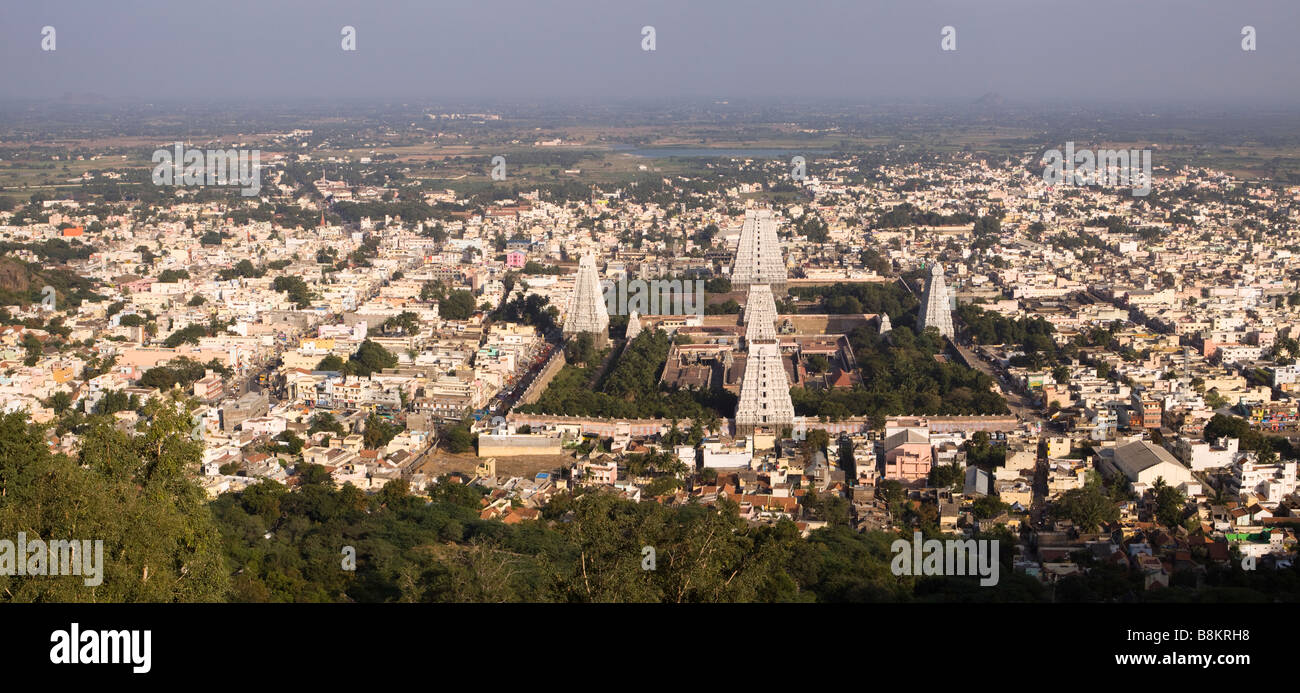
(935, 311)
(764, 391)
(885, 325)
(633, 326)
(587, 312)
(760, 314)
(758, 255)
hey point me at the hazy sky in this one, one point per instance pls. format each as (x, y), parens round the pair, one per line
(1130, 51)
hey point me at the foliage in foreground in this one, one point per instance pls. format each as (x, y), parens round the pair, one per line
(163, 542)
(135, 494)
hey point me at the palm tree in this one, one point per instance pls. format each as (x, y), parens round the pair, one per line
(712, 421)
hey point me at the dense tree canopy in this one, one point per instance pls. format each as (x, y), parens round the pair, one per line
(890, 299)
(270, 544)
(456, 305)
(408, 549)
(630, 389)
(901, 376)
(119, 485)
(371, 357)
(296, 289)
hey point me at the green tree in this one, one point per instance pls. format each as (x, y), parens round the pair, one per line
(947, 476)
(988, 507)
(1089, 508)
(370, 358)
(325, 421)
(332, 363)
(295, 288)
(119, 485)
(581, 349)
(379, 432)
(457, 305)
(459, 439)
(1170, 503)
(60, 402)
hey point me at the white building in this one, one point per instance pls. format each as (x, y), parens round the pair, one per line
(1143, 462)
(1200, 454)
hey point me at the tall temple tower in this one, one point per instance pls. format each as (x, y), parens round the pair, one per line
(587, 312)
(935, 311)
(758, 256)
(764, 389)
(760, 314)
(633, 326)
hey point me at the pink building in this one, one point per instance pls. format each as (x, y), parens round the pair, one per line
(139, 286)
(908, 456)
(210, 387)
(516, 258)
(145, 358)
(600, 473)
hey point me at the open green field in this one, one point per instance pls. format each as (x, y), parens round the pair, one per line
(461, 159)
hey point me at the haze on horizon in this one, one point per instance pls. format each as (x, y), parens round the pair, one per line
(1028, 51)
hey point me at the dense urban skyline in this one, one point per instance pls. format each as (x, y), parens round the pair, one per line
(675, 302)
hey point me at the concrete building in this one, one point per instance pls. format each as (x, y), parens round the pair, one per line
(509, 445)
(1201, 454)
(908, 456)
(236, 412)
(1143, 462)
